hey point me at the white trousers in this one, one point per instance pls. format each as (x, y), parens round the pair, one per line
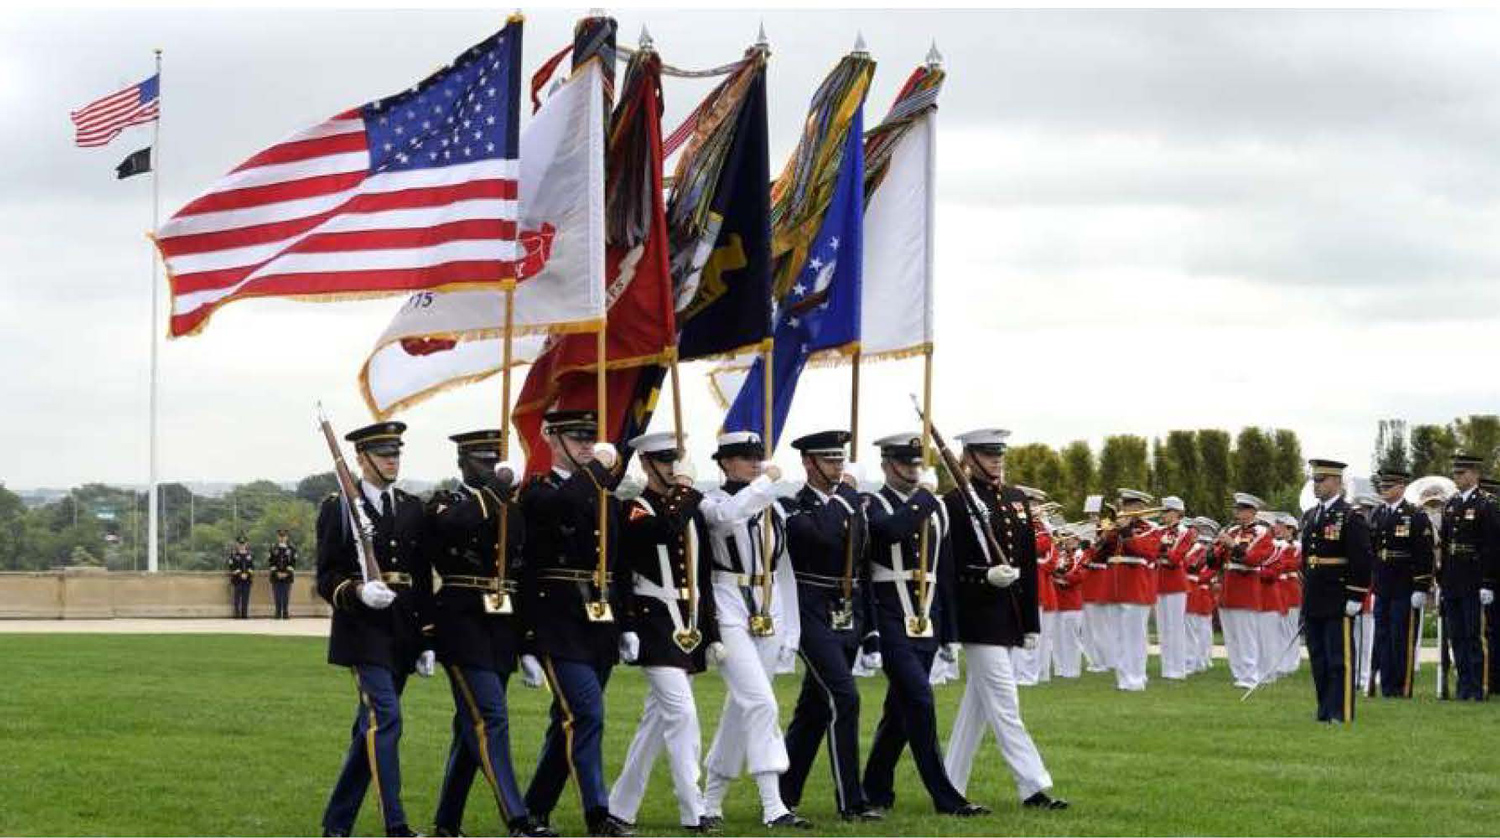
(1270, 631)
(1130, 655)
(1171, 634)
(1067, 643)
(1200, 644)
(749, 734)
(1023, 664)
(1364, 635)
(1034, 666)
(990, 699)
(1290, 624)
(670, 721)
(1240, 644)
(1045, 645)
(1098, 637)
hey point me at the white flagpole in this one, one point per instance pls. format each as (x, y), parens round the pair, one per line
(151, 509)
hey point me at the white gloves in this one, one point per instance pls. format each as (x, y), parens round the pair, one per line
(1486, 596)
(716, 653)
(1030, 640)
(606, 454)
(771, 471)
(1418, 600)
(870, 660)
(630, 646)
(853, 474)
(948, 652)
(376, 595)
(1002, 575)
(531, 672)
(786, 659)
(683, 472)
(1351, 607)
(927, 479)
(506, 471)
(426, 664)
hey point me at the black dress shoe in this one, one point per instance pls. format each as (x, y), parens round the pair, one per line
(791, 820)
(863, 813)
(402, 831)
(969, 810)
(334, 833)
(531, 827)
(446, 832)
(609, 826)
(708, 825)
(1042, 800)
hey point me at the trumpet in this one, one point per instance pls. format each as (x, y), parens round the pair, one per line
(1110, 518)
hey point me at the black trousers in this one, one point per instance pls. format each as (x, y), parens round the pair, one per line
(241, 592)
(908, 717)
(1333, 648)
(281, 593)
(828, 705)
(1396, 632)
(1464, 624)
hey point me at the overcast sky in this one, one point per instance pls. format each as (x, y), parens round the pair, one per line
(1146, 221)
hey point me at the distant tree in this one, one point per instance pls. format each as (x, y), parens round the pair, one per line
(1390, 446)
(1035, 465)
(1181, 466)
(12, 528)
(1160, 479)
(1122, 463)
(1432, 448)
(1078, 478)
(1287, 463)
(1254, 463)
(294, 515)
(1214, 484)
(1479, 435)
(314, 487)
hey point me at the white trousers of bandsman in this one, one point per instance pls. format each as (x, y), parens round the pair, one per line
(670, 721)
(1128, 621)
(1291, 623)
(1271, 636)
(1098, 637)
(1364, 637)
(1171, 633)
(1200, 641)
(1067, 643)
(1241, 644)
(992, 702)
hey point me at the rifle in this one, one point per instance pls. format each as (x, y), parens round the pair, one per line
(1445, 658)
(978, 512)
(364, 531)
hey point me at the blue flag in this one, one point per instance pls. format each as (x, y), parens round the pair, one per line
(821, 310)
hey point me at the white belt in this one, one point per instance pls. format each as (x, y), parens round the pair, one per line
(881, 573)
(1241, 567)
(668, 596)
(1127, 560)
(738, 580)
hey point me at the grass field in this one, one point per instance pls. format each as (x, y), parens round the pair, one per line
(220, 735)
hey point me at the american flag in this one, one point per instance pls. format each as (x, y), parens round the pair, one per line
(413, 191)
(99, 122)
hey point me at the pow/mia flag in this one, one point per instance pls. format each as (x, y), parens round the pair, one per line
(137, 163)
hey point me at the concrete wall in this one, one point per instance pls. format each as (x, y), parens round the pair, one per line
(87, 593)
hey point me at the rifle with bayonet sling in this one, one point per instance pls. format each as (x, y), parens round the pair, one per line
(364, 531)
(977, 510)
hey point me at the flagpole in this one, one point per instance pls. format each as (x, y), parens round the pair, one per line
(854, 409)
(600, 610)
(502, 604)
(934, 63)
(151, 506)
(768, 442)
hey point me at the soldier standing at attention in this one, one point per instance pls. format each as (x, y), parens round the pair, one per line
(380, 626)
(283, 561)
(1336, 566)
(1402, 540)
(1471, 563)
(241, 572)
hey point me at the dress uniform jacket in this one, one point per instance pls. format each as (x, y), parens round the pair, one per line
(1250, 546)
(1270, 577)
(282, 562)
(1068, 574)
(463, 527)
(661, 533)
(819, 535)
(241, 567)
(1200, 577)
(1046, 592)
(1336, 559)
(1471, 538)
(1096, 579)
(390, 637)
(1171, 564)
(1402, 540)
(987, 614)
(1289, 581)
(562, 554)
(895, 542)
(1131, 554)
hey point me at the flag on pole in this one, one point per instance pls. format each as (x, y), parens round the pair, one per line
(718, 218)
(413, 191)
(437, 341)
(896, 306)
(821, 309)
(96, 123)
(640, 331)
(136, 163)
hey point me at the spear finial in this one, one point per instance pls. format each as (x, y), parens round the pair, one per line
(859, 44)
(934, 58)
(761, 41)
(645, 42)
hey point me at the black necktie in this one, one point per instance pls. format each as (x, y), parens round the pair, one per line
(385, 504)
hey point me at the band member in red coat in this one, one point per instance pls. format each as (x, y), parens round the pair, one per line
(1171, 589)
(1033, 666)
(1289, 589)
(1200, 596)
(1239, 551)
(1068, 572)
(1131, 548)
(1269, 608)
(1098, 638)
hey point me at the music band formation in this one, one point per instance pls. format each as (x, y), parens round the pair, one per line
(561, 578)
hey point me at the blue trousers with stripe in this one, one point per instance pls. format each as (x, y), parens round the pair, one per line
(909, 717)
(1395, 643)
(574, 741)
(481, 742)
(828, 704)
(372, 749)
(1464, 624)
(1333, 650)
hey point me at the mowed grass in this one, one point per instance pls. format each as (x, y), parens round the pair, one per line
(233, 735)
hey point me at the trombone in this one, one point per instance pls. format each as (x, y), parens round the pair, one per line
(1109, 518)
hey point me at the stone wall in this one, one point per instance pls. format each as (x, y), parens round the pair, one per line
(91, 593)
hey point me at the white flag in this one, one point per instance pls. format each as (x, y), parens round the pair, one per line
(438, 340)
(896, 306)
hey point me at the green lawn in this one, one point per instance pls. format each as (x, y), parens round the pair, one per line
(221, 735)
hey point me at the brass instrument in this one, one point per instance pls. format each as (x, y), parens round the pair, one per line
(1110, 518)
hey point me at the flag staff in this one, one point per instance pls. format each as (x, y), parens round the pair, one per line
(859, 49)
(934, 64)
(151, 505)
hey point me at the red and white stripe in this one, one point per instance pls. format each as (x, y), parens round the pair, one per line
(305, 218)
(97, 123)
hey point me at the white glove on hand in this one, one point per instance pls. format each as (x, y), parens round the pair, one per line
(854, 473)
(531, 672)
(927, 479)
(716, 653)
(948, 652)
(606, 454)
(684, 473)
(506, 471)
(1351, 608)
(630, 646)
(771, 471)
(870, 661)
(376, 595)
(1002, 575)
(1486, 596)
(1030, 640)
(786, 659)
(1418, 600)
(426, 664)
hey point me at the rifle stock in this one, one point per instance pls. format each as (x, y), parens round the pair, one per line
(972, 502)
